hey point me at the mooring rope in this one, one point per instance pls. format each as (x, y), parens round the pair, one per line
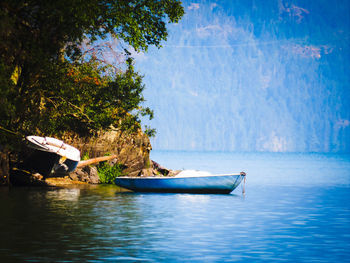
(12, 132)
(244, 180)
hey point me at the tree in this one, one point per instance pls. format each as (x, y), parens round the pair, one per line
(47, 85)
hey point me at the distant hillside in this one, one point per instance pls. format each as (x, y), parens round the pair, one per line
(253, 76)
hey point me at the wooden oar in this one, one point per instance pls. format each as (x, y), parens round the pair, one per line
(96, 160)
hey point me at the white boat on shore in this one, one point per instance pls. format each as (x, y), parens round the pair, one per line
(51, 155)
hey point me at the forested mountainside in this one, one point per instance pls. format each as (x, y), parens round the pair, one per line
(252, 76)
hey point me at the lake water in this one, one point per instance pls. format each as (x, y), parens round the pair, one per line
(296, 208)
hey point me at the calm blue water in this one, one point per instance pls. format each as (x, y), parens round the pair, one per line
(296, 209)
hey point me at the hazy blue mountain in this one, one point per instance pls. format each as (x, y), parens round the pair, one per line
(253, 76)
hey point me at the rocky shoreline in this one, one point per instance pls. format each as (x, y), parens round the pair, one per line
(131, 151)
(84, 175)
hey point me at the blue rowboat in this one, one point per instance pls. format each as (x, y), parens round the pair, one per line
(204, 184)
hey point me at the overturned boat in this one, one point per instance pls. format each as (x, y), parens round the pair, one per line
(184, 182)
(51, 155)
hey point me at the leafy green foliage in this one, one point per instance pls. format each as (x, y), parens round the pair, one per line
(89, 99)
(48, 86)
(108, 173)
(150, 131)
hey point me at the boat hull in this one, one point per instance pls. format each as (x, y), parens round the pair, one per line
(71, 165)
(51, 155)
(214, 184)
(40, 162)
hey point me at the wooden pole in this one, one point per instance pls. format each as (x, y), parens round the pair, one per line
(95, 160)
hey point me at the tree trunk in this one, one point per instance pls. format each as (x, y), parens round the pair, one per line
(4, 168)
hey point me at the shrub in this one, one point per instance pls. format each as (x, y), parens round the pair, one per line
(108, 173)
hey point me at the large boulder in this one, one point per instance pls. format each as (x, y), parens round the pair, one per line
(131, 150)
(86, 174)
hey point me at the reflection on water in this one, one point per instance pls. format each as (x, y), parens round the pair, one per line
(298, 223)
(68, 194)
(190, 198)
